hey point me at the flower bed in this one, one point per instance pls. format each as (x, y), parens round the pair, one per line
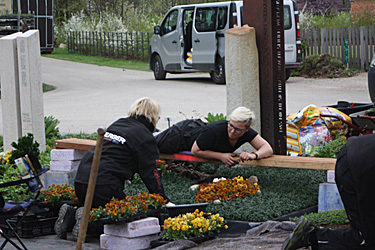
(58, 193)
(196, 224)
(125, 210)
(226, 189)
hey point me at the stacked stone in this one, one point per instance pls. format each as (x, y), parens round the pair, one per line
(329, 196)
(63, 167)
(134, 235)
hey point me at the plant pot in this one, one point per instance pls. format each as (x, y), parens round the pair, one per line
(154, 212)
(198, 239)
(187, 208)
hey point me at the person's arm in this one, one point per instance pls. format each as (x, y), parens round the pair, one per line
(226, 158)
(263, 150)
(147, 154)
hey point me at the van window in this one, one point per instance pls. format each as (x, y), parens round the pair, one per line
(170, 22)
(222, 18)
(205, 19)
(287, 17)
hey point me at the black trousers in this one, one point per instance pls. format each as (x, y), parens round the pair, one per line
(349, 238)
(102, 194)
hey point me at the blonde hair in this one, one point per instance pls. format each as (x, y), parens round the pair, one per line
(146, 107)
(242, 114)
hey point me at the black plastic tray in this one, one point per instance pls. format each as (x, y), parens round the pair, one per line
(186, 208)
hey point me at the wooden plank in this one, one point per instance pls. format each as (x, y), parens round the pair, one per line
(280, 161)
(75, 143)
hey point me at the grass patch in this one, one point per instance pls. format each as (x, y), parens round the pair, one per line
(46, 88)
(63, 54)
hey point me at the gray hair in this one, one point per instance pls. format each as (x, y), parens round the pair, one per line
(242, 114)
(146, 107)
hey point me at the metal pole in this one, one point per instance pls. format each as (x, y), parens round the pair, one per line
(18, 15)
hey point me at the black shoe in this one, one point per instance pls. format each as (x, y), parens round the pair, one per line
(78, 217)
(300, 236)
(65, 222)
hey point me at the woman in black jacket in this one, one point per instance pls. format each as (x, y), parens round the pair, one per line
(128, 148)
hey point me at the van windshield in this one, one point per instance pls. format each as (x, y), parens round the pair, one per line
(287, 17)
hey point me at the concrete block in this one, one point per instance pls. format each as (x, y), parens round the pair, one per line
(331, 176)
(64, 166)
(329, 197)
(58, 178)
(30, 84)
(146, 226)
(10, 97)
(114, 242)
(67, 154)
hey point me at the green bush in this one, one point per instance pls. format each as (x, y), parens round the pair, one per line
(340, 19)
(328, 150)
(335, 217)
(23, 146)
(214, 118)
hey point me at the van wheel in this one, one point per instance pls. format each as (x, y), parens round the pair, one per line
(218, 75)
(159, 72)
(287, 74)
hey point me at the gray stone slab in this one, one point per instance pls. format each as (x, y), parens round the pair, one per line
(10, 98)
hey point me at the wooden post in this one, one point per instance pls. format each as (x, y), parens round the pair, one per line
(267, 17)
(363, 42)
(90, 189)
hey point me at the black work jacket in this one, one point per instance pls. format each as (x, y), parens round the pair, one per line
(361, 159)
(128, 148)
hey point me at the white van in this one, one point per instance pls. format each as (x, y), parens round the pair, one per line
(191, 38)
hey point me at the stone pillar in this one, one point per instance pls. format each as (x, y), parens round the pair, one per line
(21, 80)
(31, 89)
(10, 90)
(242, 71)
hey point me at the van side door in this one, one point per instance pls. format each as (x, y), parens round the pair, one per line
(204, 38)
(170, 41)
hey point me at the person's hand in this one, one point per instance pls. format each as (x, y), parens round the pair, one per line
(228, 159)
(245, 156)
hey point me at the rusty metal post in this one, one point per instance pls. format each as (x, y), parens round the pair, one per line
(267, 17)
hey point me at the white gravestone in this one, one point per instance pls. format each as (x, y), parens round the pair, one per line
(10, 97)
(30, 114)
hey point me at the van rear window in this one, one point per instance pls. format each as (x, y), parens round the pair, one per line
(287, 17)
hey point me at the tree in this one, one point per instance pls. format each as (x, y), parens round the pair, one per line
(321, 7)
(63, 9)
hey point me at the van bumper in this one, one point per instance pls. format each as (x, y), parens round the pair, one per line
(292, 65)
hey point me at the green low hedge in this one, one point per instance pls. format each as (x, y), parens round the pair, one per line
(282, 191)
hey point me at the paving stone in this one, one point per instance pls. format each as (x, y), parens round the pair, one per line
(115, 242)
(134, 229)
(67, 154)
(329, 197)
(64, 166)
(331, 176)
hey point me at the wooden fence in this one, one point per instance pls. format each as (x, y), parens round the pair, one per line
(360, 44)
(134, 45)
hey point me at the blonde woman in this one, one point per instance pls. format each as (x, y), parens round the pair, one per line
(128, 148)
